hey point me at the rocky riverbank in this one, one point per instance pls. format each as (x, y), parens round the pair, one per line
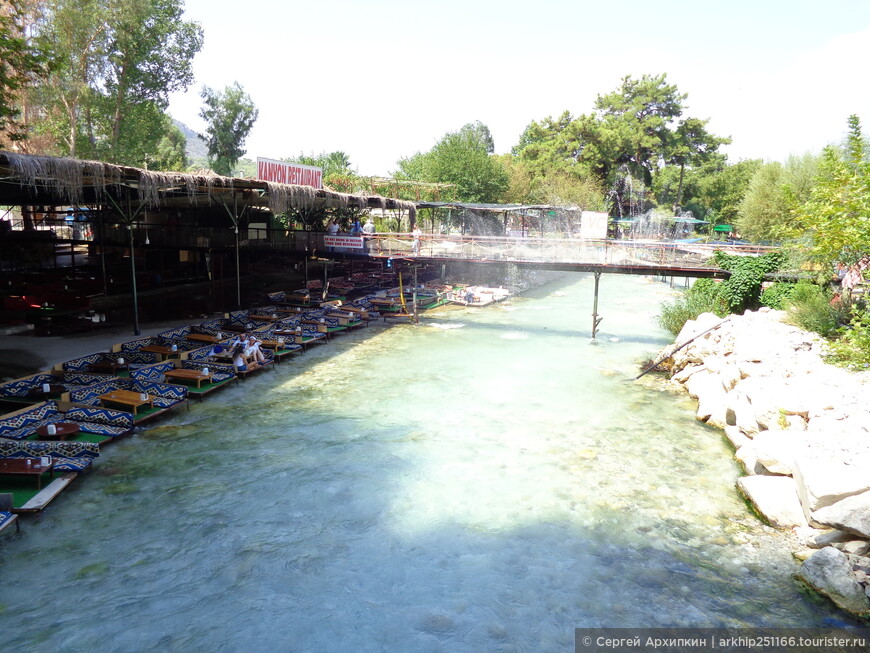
(801, 430)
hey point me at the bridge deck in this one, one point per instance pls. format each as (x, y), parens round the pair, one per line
(561, 254)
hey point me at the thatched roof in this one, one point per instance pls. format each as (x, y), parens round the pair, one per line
(26, 179)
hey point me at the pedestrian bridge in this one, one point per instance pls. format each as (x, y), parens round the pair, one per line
(678, 259)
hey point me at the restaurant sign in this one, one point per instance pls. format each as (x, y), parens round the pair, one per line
(284, 172)
(350, 242)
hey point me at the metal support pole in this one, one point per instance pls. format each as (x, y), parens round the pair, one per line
(136, 331)
(238, 272)
(414, 297)
(238, 269)
(595, 319)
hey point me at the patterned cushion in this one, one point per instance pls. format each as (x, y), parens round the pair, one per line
(80, 378)
(219, 371)
(63, 464)
(116, 419)
(23, 424)
(83, 363)
(152, 372)
(20, 387)
(34, 449)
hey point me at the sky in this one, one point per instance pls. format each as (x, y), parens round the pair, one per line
(383, 79)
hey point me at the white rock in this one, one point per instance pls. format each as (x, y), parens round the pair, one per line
(828, 572)
(852, 515)
(746, 457)
(739, 412)
(776, 450)
(775, 497)
(736, 437)
(832, 467)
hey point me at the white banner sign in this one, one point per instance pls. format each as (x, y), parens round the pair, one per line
(350, 242)
(283, 172)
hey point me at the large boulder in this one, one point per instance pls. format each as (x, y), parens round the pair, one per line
(706, 387)
(739, 411)
(829, 572)
(834, 466)
(701, 348)
(775, 498)
(776, 450)
(852, 515)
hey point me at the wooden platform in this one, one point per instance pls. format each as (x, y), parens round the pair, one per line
(47, 494)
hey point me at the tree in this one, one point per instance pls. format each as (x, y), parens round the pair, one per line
(634, 134)
(21, 61)
(462, 158)
(837, 214)
(116, 63)
(230, 115)
(639, 116)
(774, 196)
(151, 51)
(691, 145)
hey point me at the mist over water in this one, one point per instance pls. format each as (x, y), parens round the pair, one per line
(488, 480)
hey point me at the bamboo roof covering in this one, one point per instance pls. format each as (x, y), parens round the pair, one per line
(27, 179)
(494, 208)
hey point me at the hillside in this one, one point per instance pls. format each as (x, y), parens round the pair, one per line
(196, 149)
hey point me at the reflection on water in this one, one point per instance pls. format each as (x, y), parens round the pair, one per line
(489, 483)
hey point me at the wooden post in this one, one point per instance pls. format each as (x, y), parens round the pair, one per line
(595, 319)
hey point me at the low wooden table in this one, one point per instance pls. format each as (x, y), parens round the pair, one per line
(54, 391)
(264, 318)
(63, 430)
(126, 398)
(162, 350)
(107, 367)
(202, 337)
(184, 374)
(20, 467)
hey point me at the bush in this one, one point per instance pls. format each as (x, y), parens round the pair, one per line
(852, 347)
(810, 308)
(777, 295)
(705, 296)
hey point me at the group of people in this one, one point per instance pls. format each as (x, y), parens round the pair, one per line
(245, 352)
(368, 229)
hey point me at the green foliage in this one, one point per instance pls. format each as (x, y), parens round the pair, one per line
(742, 290)
(712, 191)
(810, 308)
(117, 61)
(21, 60)
(852, 347)
(705, 296)
(230, 115)
(774, 197)
(777, 295)
(837, 215)
(637, 129)
(462, 158)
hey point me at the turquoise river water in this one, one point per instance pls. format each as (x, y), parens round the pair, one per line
(488, 480)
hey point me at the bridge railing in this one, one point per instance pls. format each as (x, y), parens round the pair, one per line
(555, 250)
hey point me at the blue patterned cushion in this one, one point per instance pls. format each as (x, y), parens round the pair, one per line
(63, 464)
(20, 387)
(219, 371)
(80, 378)
(82, 364)
(36, 448)
(119, 421)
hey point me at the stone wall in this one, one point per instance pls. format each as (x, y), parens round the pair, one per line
(800, 428)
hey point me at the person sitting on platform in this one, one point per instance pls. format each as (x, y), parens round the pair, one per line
(252, 350)
(240, 361)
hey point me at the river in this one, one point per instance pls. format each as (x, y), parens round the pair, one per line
(488, 480)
